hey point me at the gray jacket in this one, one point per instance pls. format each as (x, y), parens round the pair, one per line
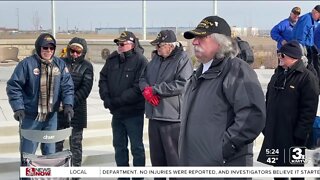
(223, 112)
(168, 77)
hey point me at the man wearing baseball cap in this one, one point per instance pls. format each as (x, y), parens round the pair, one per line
(119, 90)
(282, 32)
(162, 84)
(223, 110)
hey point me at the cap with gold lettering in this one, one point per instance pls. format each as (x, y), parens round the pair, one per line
(209, 25)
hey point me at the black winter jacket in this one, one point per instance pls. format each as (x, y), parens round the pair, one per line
(81, 71)
(119, 83)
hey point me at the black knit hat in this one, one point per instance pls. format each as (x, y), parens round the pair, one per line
(292, 49)
(125, 36)
(164, 36)
(209, 25)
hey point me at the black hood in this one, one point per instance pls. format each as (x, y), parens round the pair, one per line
(42, 39)
(81, 41)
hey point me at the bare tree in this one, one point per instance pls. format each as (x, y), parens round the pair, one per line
(36, 21)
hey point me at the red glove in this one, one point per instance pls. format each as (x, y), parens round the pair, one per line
(155, 100)
(147, 93)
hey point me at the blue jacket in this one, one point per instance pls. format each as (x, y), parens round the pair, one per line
(303, 31)
(23, 87)
(317, 37)
(282, 31)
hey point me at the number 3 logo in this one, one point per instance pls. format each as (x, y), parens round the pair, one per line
(298, 153)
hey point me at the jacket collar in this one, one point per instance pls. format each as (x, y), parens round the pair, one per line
(214, 70)
(298, 66)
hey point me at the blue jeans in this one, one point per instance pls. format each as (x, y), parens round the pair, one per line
(131, 127)
(31, 146)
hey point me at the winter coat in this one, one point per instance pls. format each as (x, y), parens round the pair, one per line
(282, 31)
(291, 101)
(168, 77)
(119, 83)
(303, 31)
(223, 113)
(81, 71)
(23, 87)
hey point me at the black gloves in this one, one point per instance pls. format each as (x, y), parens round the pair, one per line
(68, 111)
(19, 115)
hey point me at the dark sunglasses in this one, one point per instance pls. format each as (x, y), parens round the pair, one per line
(46, 48)
(75, 51)
(281, 55)
(122, 44)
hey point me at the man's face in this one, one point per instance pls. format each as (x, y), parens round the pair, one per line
(315, 15)
(125, 46)
(205, 48)
(285, 61)
(75, 52)
(47, 52)
(164, 49)
(294, 17)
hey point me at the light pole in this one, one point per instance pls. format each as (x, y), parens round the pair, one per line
(215, 7)
(144, 9)
(18, 19)
(53, 19)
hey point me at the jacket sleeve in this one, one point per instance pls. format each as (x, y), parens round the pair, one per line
(277, 30)
(244, 93)
(103, 82)
(142, 80)
(86, 85)
(133, 94)
(308, 103)
(15, 87)
(67, 87)
(176, 86)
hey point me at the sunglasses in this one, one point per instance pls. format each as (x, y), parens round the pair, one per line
(160, 45)
(281, 55)
(75, 51)
(122, 44)
(46, 48)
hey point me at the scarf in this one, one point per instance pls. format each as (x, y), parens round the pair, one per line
(46, 90)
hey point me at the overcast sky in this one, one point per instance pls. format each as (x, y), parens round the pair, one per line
(87, 15)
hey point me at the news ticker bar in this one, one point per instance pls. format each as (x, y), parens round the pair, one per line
(190, 172)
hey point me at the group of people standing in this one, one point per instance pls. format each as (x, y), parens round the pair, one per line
(206, 117)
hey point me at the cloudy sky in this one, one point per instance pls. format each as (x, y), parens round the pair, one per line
(87, 15)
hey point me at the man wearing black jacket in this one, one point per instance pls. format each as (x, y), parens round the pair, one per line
(81, 71)
(119, 90)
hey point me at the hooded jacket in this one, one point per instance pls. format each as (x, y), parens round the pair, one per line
(168, 77)
(23, 87)
(81, 71)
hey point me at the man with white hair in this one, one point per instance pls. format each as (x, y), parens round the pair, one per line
(223, 110)
(163, 83)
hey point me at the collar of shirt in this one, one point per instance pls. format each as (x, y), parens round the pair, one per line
(206, 66)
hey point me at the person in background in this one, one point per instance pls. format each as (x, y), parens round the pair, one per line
(163, 83)
(282, 32)
(292, 102)
(81, 71)
(36, 89)
(119, 90)
(303, 32)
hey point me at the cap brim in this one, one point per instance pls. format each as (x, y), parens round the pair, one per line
(119, 40)
(154, 42)
(193, 33)
(47, 44)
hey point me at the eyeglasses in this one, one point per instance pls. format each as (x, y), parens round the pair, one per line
(281, 55)
(283, 85)
(46, 48)
(122, 44)
(161, 45)
(75, 51)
